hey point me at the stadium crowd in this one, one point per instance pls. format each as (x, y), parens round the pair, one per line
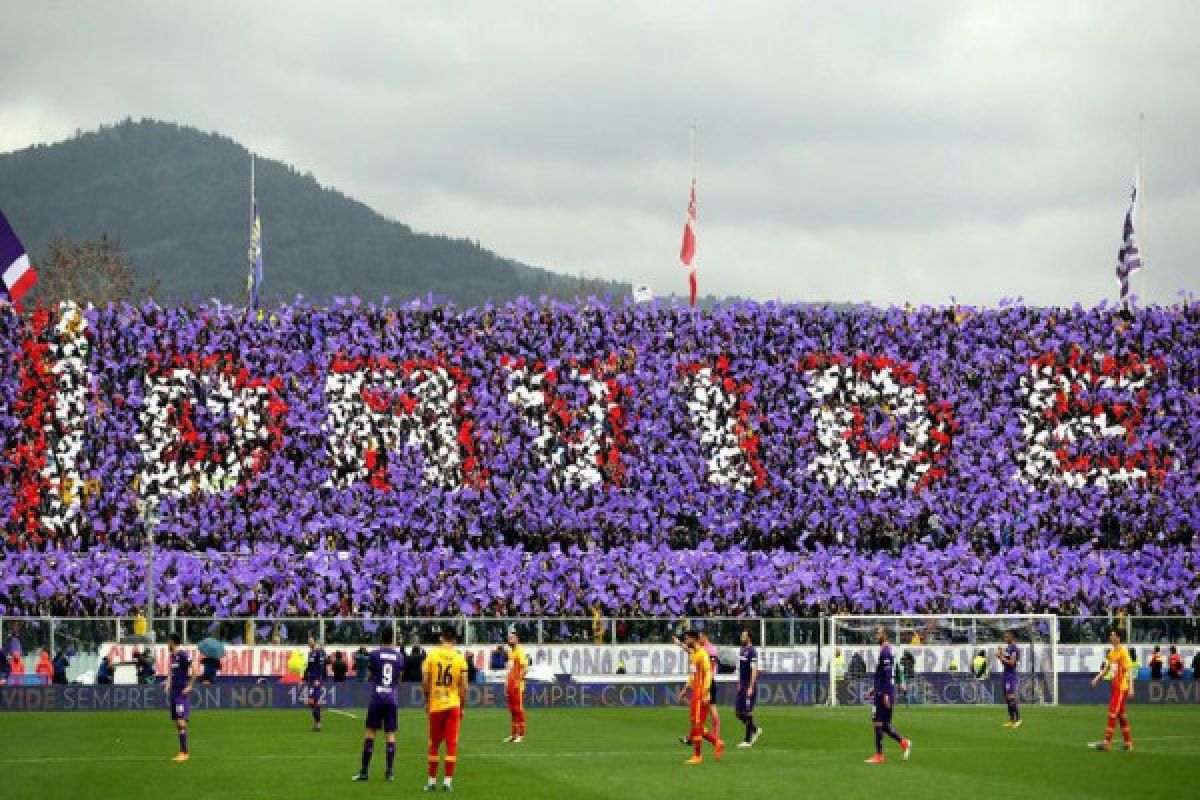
(549, 459)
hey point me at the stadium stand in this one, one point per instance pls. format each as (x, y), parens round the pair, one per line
(545, 459)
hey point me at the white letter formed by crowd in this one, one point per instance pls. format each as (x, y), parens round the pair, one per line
(175, 459)
(845, 396)
(376, 409)
(570, 444)
(68, 353)
(1081, 420)
(719, 414)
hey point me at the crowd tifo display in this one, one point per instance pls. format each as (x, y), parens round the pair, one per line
(555, 459)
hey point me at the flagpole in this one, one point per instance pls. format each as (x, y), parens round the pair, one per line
(1141, 196)
(692, 144)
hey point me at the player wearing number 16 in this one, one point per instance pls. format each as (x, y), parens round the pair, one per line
(444, 682)
(386, 666)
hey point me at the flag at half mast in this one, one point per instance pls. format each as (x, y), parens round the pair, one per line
(687, 253)
(254, 257)
(1129, 257)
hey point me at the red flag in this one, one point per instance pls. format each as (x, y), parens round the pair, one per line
(687, 253)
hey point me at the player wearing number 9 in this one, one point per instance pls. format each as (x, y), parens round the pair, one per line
(386, 664)
(444, 682)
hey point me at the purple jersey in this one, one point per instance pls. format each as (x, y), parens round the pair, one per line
(747, 662)
(181, 672)
(386, 666)
(885, 672)
(1011, 651)
(317, 661)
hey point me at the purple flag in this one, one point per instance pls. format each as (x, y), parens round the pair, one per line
(1129, 258)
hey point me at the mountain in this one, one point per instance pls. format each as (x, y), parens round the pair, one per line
(177, 198)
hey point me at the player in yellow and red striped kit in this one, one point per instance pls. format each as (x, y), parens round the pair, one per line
(1117, 664)
(444, 683)
(700, 686)
(514, 688)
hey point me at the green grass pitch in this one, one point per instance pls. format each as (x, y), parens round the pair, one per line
(603, 753)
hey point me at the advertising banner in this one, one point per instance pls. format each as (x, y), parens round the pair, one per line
(235, 695)
(666, 660)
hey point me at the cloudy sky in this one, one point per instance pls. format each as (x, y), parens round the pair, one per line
(883, 152)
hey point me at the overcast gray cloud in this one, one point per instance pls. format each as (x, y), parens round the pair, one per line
(884, 152)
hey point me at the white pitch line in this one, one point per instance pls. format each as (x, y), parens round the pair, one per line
(515, 753)
(337, 756)
(343, 713)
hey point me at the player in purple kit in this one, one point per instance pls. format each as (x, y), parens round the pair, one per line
(747, 689)
(386, 665)
(884, 694)
(315, 673)
(1009, 655)
(179, 685)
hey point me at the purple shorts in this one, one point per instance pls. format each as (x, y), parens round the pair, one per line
(882, 712)
(381, 715)
(314, 691)
(1010, 684)
(745, 701)
(181, 707)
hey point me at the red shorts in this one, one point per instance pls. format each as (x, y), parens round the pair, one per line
(1116, 705)
(699, 712)
(443, 727)
(516, 698)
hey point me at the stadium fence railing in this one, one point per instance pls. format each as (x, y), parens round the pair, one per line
(87, 633)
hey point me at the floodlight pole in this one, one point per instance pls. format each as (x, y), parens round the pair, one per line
(150, 524)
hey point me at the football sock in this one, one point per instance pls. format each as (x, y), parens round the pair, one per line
(183, 748)
(716, 723)
(391, 755)
(1126, 734)
(367, 751)
(878, 741)
(890, 731)
(1108, 730)
(317, 714)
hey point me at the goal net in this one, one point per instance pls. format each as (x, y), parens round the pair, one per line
(944, 659)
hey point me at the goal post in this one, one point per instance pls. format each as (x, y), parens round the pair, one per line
(938, 657)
